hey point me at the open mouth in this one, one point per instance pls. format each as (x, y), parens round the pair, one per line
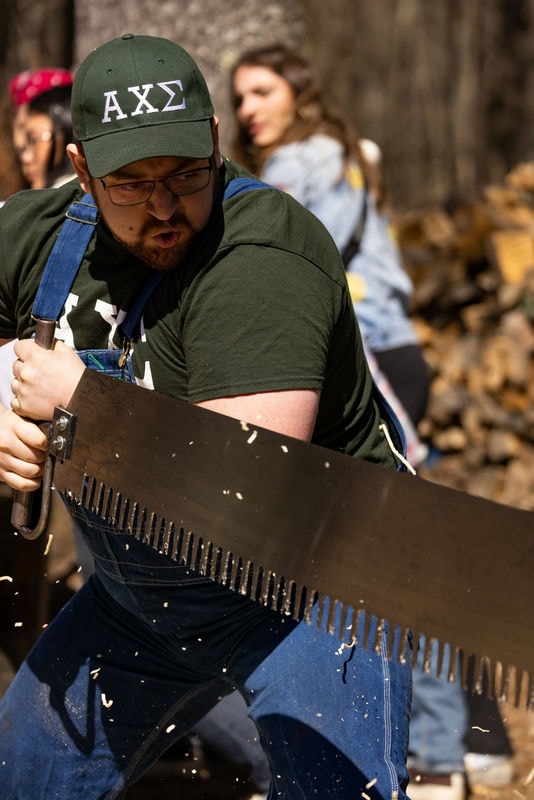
(167, 239)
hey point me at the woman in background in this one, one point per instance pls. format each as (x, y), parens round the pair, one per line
(292, 138)
(42, 125)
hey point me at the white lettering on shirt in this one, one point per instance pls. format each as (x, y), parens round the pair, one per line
(108, 312)
(146, 382)
(63, 329)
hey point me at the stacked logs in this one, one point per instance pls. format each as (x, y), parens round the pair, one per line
(473, 306)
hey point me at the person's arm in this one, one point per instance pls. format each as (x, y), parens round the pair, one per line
(44, 379)
(291, 412)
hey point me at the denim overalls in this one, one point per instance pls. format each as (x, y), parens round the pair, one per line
(146, 647)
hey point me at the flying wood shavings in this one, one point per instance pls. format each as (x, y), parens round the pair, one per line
(284, 448)
(49, 543)
(252, 438)
(244, 425)
(371, 783)
(345, 646)
(105, 702)
(529, 778)
(365, 796)
(170, 728)
(6, 578)
(239, 495)
(94, 673)
(478, 728)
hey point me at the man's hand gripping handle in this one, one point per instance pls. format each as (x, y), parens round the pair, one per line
(23, 511)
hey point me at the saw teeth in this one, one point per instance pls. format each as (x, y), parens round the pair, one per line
(289, 606)
(478, 675)
(115, 509)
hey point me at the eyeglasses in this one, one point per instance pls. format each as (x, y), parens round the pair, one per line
(33, 139)
(137, 192)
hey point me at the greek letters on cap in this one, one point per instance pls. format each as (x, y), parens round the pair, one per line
(112, 103)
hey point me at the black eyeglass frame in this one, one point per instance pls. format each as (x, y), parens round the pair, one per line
(151, 185)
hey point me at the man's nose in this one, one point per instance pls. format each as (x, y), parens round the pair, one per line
(163, 202)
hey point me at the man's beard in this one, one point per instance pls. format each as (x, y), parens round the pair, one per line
(161, 258)
(156, 257)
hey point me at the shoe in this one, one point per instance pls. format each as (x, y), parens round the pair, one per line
(423, 786)
(488, 771)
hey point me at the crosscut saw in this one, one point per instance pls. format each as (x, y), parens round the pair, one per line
(290, 524)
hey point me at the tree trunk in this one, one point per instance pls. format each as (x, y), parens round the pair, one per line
(445, 88)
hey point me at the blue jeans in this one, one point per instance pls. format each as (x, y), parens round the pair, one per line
(438, 727)
(146, 648)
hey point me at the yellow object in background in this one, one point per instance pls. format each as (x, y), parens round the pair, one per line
(357, 287)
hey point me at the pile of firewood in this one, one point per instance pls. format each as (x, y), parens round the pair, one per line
(473, 305)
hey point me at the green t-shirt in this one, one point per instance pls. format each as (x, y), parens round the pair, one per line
(261, 305)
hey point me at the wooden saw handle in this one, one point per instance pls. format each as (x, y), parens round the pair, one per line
(24, 516)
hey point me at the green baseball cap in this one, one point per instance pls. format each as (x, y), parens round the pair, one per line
(137, 97)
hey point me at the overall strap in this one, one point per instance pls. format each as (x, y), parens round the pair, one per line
(69, 249)
(131, 321)
(238, 185)
(234, 187)
(65, 258)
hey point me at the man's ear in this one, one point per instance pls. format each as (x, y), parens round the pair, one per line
(79, 164)
(215, 135)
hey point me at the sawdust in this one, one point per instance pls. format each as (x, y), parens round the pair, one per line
(520, 726)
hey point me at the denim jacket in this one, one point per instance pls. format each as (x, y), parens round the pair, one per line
(313, 171)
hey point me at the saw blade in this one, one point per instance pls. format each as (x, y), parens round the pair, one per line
(291, 524)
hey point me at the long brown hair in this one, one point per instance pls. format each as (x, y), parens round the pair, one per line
(313, 114)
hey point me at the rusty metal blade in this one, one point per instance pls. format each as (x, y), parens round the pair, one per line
(286, 522)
